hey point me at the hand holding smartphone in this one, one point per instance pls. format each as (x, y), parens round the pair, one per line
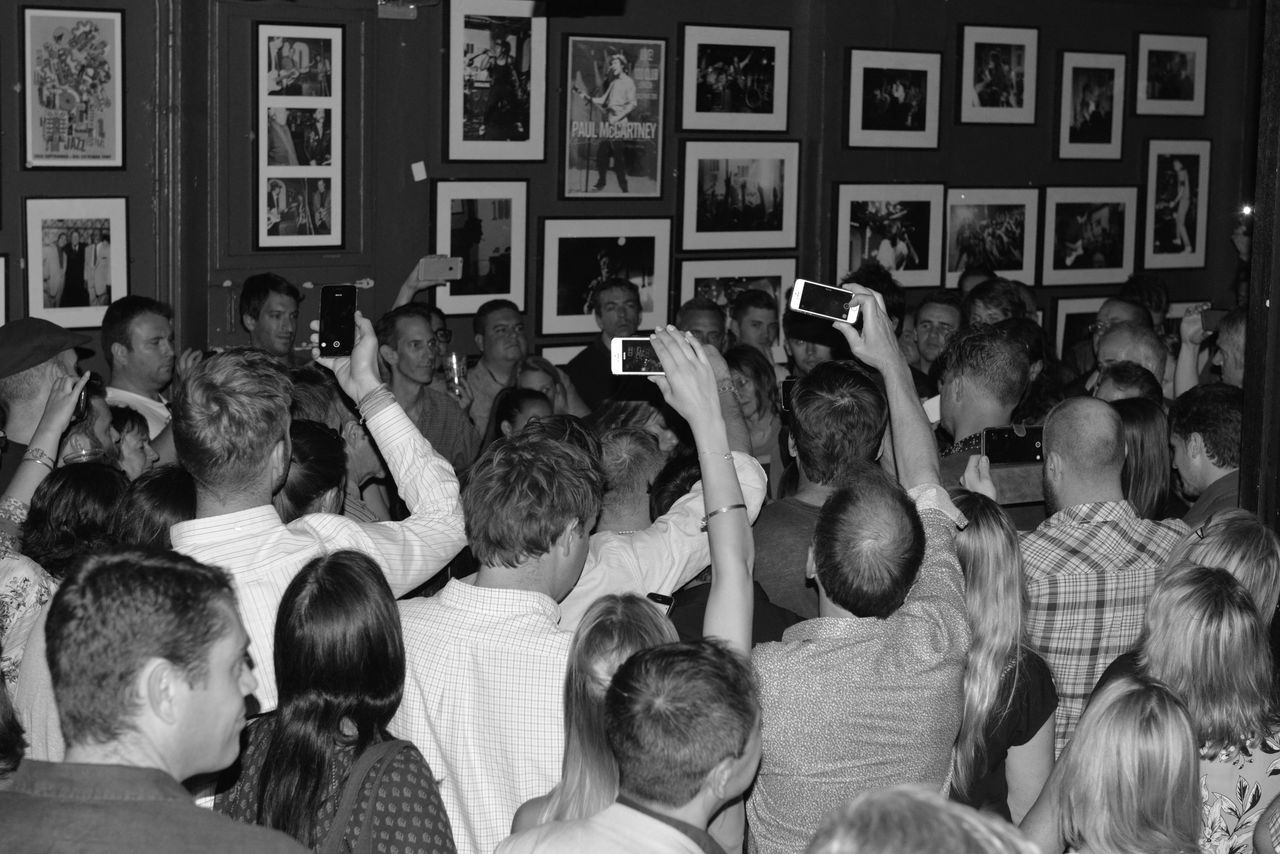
(439, 267)
(634, 357)
(823, 301)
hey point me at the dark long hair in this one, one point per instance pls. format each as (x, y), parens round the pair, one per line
(339, 655)
(71, 513)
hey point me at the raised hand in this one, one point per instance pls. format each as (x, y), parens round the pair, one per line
(877, 344)
(61, 405)
(357, 374)
(689, 383)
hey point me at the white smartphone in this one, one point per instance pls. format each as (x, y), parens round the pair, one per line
(823, 301)
(634, 357)
(933, 409)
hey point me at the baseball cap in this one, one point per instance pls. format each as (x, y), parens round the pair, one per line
(28, 341)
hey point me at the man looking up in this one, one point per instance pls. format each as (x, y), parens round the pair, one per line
(499, 333)
(34, 353)
(1204, 432)
(705, 320)
(150, 669)
(984, 374)
(269, 313)
(616, 305)
(753, 320)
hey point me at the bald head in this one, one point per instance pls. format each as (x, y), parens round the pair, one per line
(1117, 310)
(1086, 435)
(1133, 342)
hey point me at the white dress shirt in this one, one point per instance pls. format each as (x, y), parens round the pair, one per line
(155, 411)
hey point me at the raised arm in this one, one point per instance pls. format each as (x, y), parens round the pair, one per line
(689, 387)
(1187, 371)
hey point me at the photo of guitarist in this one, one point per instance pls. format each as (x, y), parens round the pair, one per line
(617, 101)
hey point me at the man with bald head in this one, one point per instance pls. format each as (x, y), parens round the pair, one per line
(1091, 565)
(1127, 341)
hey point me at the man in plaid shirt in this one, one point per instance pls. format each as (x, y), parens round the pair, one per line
(1091, 565)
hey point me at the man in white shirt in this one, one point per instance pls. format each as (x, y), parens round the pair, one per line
(231, 428)
(484, 684)
(137, 342)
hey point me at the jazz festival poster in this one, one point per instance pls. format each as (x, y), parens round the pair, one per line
(614, 118)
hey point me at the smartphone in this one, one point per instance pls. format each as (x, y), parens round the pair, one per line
(823, 301)
(1211, 319)
(439, 267)
(788, 389)
(634, 356)
(663, 601)
(1017, 444)
(337, 319)
(933, 409)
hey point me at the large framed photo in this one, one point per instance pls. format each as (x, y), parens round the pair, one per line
(579, 256)
(893, 99)
(740, 195)
(1171, 75)
(484, 223)
(300, 131)
(992, 228)
(613, 118)
(1091, 111)
(735, 78)
(497, 80)
(77, 258)
(1089, 234)
(1074, 317)
(998, 75)
(1177, 202)
(899, 225)
(74, 72)
(723, 282)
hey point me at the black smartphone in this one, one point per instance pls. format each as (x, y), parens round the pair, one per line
(1211, 319)
(1018, 444)
(663, 601)
(337, 319)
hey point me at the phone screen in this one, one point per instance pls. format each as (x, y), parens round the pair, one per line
(337, 319)
(639, 357)
(824, 300)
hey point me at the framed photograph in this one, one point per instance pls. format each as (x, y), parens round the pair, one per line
(893, 99)
(740, 195)
(1091, 111)
(735, 78)
(1089, 235)
(722, 282)
(998, 75)
(613, 118)
(899, 225)
(77, 259)
(484, 223)
(1171, 75)
(1177, 202)
(1073, 318)
(994, 228)
(581, 255)
(497, 80)
(74, 69)
(300, 132)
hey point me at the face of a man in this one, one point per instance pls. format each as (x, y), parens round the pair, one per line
(149, 360)
(935, 324)
(1182, 465)
(1111, 313)
(617, 313)
(707, 327)
(807, 355)
(212, 711)
(615, 67)
(414, 356)
(503, 338)
(759, 328)
(274, 327)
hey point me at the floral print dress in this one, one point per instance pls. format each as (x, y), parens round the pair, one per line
(1235, 790)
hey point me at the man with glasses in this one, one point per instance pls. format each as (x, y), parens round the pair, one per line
(1083, 355)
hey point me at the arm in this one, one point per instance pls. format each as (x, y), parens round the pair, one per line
(1040, 825)
(1027, 768)
(736, 429)
(412, 284)
(1187, 373)
(1266, 834)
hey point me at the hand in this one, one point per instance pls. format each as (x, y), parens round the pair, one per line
(689, 383)
(877, 344)
(977, 477)
(1192, 328)
(461, 394)
(61, 405)
(719, 366)
(357, 374)
(184, 363)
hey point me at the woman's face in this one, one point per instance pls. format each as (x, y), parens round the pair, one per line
(539, 382)
(136, 454)
(745, 391)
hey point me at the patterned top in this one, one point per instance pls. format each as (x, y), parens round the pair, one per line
(406, 813)
(1090, 570)
(24, 589)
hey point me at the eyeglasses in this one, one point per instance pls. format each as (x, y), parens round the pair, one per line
(444, 336)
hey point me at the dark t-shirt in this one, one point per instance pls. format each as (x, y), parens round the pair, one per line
(768, 621)
(1034, 699)
(782, 535)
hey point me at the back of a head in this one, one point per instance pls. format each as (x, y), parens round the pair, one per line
(990, 360)
(566, 428)
(1088, 436)
(154, 503)
(317, 467)
(507, 406)
(1231, 329)
(117, 610)
(258, 287)
(838, 418)
(674, 481)
(1215, 411)
(229, 411)
(673, 713)
(992, 561)
(317, 397)
(1026, 332)
(913, 820)
(1130, 776)
(120, 314)
(696, 304)
(868, 545)
(1239, 542)
(1131, 380)
(1145, 474)
(71, 513)
(752, 298)
(631, 460)
(524, 492)
(999, 296)
(1135, 342)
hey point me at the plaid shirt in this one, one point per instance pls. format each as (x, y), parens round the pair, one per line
(1090, 570)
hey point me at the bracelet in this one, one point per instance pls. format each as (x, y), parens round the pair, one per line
(725, 387)
(727, 456)
(724, 509)
(36, 455)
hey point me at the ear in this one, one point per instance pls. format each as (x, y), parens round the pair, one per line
(158, 688)
(791, 445)
(279, 462)
(733, 327)
(119, 353)
(1217, 357)
(955, 388)
(1053, 466)
(810, 568)
(505, 427)
(390, 356)
(568, 538)
(1195, 446)
(479, 339)
(249, 321)
(719, 778)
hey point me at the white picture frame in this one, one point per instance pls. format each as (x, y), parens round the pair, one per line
(735, 78)
(893, 99)
(1167, 65)
(905, 218)
(1091, 106)
(1080, 224)
(490, 220)
(740, 195)
(992, 211)
(717, 281)
(1173, 198)
(998, 75)
(53, 226)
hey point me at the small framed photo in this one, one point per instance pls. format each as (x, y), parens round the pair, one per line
(1171, 75)
(998, 75)
(581, 255)
(1089, 234)
(899, 225)
(1073, 318)
(497, 80)
(1091, 112)
(74, 70)
(893, 99)
(484, 223)
(1177, 202)
(735, 78)
(614, 118)
(300, 132)
(993, 228)
(77, 259)
(740, 195)
(722, 282)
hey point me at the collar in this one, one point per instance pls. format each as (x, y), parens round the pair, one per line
(1092, 512)
(700, 837)
(969, 444)
(505, 600)
(96, 782)
(255, 520)
(1228, 484)
(832, 628)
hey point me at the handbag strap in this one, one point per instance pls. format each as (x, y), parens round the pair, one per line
(378, 755)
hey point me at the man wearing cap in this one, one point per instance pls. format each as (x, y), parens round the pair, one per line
(33, 353)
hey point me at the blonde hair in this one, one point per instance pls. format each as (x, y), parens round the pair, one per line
(1204, 639)
(1237, 541)
(613, 628)
(913, 820)
(995, 599)
(1128, 782)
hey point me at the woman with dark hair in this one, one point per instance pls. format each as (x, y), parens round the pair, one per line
(70, 514)
(755, 385)
(321, 767)
(134, 449)
(317, 477)
(155, 502)
(1145, 475)
(514, 407)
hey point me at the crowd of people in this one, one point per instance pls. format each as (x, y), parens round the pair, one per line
(251, 602)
